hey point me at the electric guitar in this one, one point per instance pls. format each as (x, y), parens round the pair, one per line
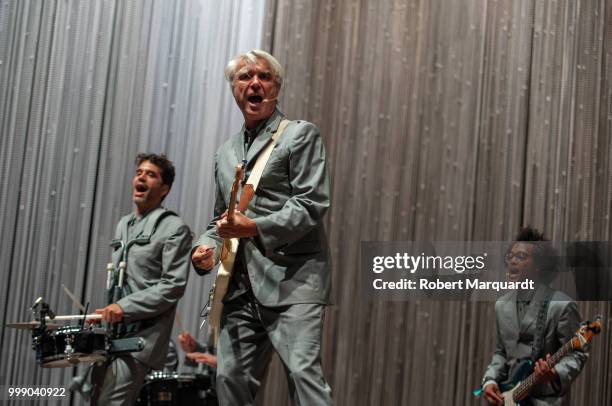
(226, 267)
(523, 379)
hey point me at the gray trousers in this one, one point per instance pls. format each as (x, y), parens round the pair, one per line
(250, 333)
(118, 383)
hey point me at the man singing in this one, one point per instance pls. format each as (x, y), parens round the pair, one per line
(281, 279)
(155, 243)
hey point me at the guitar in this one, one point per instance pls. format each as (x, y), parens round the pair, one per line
(226, 267)
(523, 379)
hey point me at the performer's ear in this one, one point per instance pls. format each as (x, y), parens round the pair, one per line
(165, 189)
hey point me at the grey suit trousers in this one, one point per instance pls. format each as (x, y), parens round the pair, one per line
(250, 332)
(120, 381)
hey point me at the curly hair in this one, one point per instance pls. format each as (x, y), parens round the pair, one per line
(165, 166)
(545, 255)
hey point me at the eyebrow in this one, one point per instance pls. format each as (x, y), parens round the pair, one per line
(520, 251)
(248, 70)
(146, 170)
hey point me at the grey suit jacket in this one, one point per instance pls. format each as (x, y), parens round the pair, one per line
(288, 262)
(156, 274)
(515, 340)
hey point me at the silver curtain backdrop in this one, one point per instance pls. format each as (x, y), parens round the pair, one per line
(84, 86)
(443, 120)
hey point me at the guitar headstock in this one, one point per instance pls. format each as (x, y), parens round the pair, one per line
(588, 329)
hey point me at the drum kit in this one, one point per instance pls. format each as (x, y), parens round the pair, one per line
(63, 346)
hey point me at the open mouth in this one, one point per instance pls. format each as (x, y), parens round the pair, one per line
(255, 99)
(140, 188)
(513, 273)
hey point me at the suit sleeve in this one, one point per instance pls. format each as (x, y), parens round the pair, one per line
(210, 236)
(157, 299)
(569, 366)
(497, 370)
(309, 200)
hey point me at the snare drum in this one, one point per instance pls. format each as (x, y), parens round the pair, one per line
(170, 389)
(68, 346)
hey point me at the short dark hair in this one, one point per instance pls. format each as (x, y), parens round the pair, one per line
(162, 162)
(545, 256)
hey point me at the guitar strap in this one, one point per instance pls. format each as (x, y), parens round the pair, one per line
(248, 191)
(538, 339)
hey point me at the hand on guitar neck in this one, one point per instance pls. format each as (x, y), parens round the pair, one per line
(234, 224)
(544, 371)
(240, 226)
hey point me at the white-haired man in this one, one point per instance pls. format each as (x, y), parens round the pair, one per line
(281, 280)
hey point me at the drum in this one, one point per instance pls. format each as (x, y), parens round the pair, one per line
(71, 345)
(170, 389)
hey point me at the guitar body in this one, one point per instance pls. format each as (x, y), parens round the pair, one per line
(508, 400)
(520, 371)
(220, 287)
(226, 267)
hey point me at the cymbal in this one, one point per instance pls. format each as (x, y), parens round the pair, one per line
(29, 325)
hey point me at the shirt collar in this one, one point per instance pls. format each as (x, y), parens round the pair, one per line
(135, 218)
(526, 295)
(250, 135)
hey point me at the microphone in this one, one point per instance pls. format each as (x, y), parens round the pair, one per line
(45, 309)
(109, 275)
(36, 303)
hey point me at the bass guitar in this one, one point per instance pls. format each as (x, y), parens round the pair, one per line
(522, 381)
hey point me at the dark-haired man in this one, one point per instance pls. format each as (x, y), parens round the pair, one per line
(155, 244)
(533, 324)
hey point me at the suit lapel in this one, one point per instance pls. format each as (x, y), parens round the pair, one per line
(238, 145)
(511, 306)
(263, 138)
(534, 308)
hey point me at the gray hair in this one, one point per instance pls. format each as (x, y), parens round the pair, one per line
(251, 57)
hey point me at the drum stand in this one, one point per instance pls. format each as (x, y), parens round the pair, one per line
(40, 311)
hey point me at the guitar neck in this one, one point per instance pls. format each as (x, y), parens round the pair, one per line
(234, 192)
(231, 207)
(227, 242)
(527, 385)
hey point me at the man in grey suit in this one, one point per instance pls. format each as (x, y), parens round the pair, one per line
(281, 280)
(519, 331)
(155, 243)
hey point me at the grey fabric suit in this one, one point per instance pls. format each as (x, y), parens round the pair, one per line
(515, 339)
(281, 277)
(156, 274)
